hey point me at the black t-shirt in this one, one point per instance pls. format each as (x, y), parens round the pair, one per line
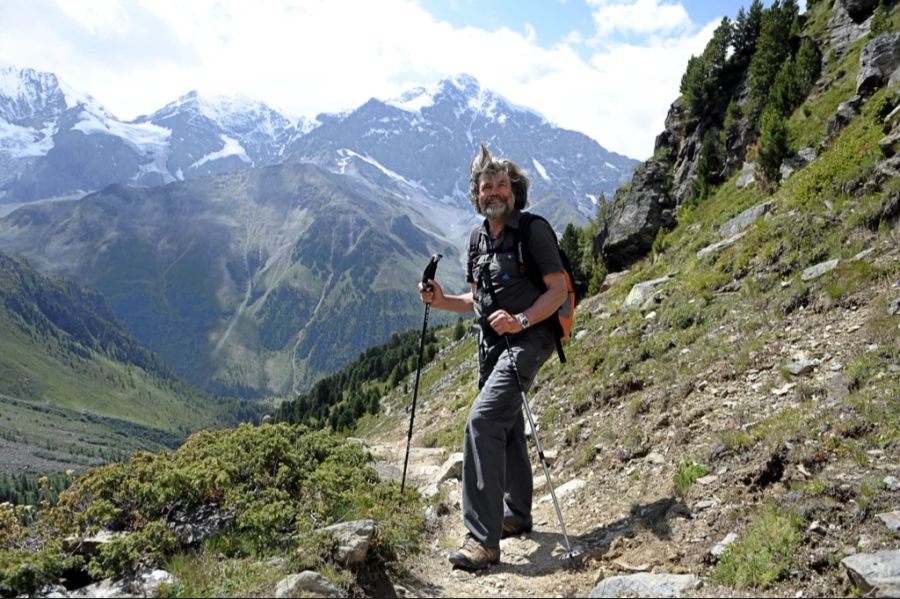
(515, 293)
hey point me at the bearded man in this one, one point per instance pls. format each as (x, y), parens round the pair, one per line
(497, 478)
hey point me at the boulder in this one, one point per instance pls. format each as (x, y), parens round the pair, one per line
(353, 540)
(304, 583)
(814, 272)
(715, 248)
(743, 220)
(890, 144)
(846, 112)
(747, 176)
(794, 163)
(875, 574)
(635, 217)
(879, 63)
(646, 585)
(450, 469)
(642, 292)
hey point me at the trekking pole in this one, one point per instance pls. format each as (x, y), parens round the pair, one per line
(570, 553)
(428, 275)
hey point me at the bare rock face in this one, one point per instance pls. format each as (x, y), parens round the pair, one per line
(879, 64)
(843, 29)
(636, 215)
(860, 10)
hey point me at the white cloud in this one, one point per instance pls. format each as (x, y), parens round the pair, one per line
(98, 17)
(639, 17)
(310, 56)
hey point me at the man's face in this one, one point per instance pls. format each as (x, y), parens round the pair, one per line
(495, 195)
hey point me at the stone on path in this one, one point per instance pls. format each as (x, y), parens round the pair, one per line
(646, 585)
(563, 490)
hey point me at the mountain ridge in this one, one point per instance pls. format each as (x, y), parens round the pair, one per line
(200, 135)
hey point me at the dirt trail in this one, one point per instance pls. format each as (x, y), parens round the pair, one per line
(531, 565)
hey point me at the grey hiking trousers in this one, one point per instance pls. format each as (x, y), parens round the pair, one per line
(497, 481)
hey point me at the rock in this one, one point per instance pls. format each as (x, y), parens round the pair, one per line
(846, 112)
(194, 526)
(891, 520)
(799, 367)
(859, 10)
(747, 176)
(635, 216)
(879, 63)
(450, 469)
(150, 582)
(796, 162)
(550, 456)
(891, 483)
(892, 119)
(719, 246)
(646, 585)
(353, 540)
(887, 169)
(814, 272)
(843, 30)
(875, 574)
(642, 292)
(563, 490)
(306, 582)
(720, 547)
(655, 458)
(89, 545)
(743, 220)
(863, 255)
(890, 144)
(103, 589)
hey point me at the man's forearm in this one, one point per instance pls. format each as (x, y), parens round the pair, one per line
(456, 303)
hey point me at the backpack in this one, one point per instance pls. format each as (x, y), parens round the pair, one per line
(564, 319)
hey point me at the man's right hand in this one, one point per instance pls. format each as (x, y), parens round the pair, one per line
(433, 294)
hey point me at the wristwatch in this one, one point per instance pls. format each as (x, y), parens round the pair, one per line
(523, 320)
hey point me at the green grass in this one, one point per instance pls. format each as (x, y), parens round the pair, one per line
(763, 553)
(687, 475)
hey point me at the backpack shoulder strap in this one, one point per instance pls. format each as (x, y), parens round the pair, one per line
(526, 265)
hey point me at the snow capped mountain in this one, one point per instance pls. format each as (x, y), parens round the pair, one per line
(56, 141)
(426, 136)
(218, 134)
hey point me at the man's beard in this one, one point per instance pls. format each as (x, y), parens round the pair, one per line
(495, 210)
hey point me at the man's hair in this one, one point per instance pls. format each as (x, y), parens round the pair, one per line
(483, 163)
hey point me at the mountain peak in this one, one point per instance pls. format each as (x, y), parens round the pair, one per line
(26, 94)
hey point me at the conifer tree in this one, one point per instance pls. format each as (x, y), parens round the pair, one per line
(773, 146)
(772, 50)
(708, 167)
(746, 32)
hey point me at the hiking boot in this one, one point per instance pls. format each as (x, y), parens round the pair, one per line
(473, 555)
(514, 528)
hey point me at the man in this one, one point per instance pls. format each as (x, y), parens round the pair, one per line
(497, 479)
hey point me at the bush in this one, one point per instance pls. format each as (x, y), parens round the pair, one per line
(278, 483)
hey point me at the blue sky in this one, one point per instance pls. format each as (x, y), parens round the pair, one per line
(607, 68)
(554, 20)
